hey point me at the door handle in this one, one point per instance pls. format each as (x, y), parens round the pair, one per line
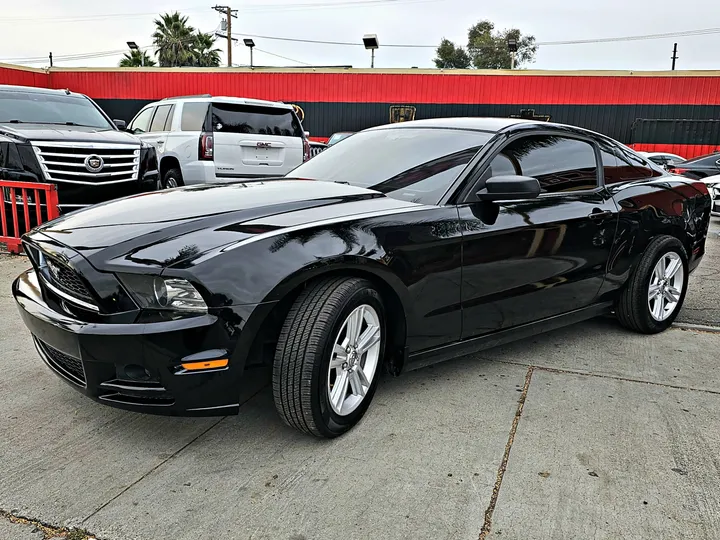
(600, 214)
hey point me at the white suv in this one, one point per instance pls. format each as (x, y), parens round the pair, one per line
(203, 139)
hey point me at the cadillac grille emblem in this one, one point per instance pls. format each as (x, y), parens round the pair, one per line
(94, 163)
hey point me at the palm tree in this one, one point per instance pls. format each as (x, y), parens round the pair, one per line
(205, 55)
(136, 58)
(174, 39)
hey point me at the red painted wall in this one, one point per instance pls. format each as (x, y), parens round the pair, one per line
(23, 77)
(363, 87)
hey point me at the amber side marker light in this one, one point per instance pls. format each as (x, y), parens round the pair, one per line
(210, 364)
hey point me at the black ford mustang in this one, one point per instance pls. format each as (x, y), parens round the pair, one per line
(405, 245)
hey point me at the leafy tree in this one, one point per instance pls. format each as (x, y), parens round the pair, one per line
(136, 58)
(204, 53)
(174, 40)
(451, 57)
(487, 49)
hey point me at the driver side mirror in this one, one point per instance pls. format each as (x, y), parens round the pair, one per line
(509, 188)
(120, 124)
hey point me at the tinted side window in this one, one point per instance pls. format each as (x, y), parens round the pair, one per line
(171, 115)
(250, 119)
(560, 164)
(632, 167)
(141, 123)
(13, 158)
(193, 116)
(160, 118)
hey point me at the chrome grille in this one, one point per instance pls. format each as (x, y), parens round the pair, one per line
(67, 366)
(79, 163)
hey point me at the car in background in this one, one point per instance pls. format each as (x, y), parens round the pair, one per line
(316, 147)
(206, 139)
(699, 167)
(406, 245)
(63, 138)
(713, 185)
(662, 158)
(339, 136)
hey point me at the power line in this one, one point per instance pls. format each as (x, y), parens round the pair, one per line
(283, 57)
(100, 54)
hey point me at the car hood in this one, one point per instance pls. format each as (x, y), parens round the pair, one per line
(50, 132)
(165, 228)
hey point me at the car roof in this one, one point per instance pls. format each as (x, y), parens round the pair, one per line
(227, 99)
(477, 124)
(36, 90)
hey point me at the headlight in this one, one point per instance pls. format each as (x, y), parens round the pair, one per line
(172, 294)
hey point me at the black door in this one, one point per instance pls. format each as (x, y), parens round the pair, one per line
(531, 259)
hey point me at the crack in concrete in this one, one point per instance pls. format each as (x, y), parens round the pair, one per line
(49, 531)
(613, 377)
(163, 462)
(487, 523)
(156, 467)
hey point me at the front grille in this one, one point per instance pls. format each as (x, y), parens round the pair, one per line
(67, 366)
(67, 280)
(79, 163)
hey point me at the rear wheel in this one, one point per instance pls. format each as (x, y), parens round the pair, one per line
(328, 357)
(656, 291)
(172, 179)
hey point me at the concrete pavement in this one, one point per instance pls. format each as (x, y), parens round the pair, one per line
(615, 435)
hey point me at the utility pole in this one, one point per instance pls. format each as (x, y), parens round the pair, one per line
(674, 56)
(229, 14)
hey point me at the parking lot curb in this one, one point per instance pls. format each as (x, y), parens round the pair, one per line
(698, 327)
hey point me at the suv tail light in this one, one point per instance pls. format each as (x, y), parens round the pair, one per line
(306, 149)
(206, 146)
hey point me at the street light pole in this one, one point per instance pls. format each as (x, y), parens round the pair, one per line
(134, 47)
(251, 44)
(371, 42)
(512, 45)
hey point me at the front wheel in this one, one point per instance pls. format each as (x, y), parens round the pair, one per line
(655, 293)
(172, 179)
(328, 357)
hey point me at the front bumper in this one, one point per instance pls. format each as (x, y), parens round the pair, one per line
(138, 366)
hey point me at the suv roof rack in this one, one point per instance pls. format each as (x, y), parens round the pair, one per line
(187, 97)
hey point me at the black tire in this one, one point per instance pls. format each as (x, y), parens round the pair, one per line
(304, 349)
(172, 176)
(632, 309)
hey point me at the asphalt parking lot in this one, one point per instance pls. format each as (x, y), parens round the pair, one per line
(586, 432)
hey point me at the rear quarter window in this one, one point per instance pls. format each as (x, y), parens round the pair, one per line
(254, 120)
(193, 116)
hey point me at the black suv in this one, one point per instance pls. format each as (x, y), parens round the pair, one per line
(64, 138)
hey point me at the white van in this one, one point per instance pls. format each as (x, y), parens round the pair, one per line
(204, 139)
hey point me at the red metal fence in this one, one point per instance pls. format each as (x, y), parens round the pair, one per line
(25, 205)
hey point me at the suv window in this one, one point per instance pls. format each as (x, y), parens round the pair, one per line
(141, 123)
(160, 120)
(560, 164)
(193, 116)
(255, 120)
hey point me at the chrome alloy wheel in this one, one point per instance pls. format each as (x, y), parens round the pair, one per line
(354, 360)
(171, 182)
(666, 285)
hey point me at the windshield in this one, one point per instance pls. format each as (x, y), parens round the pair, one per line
(412, 164)
(37, 108)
